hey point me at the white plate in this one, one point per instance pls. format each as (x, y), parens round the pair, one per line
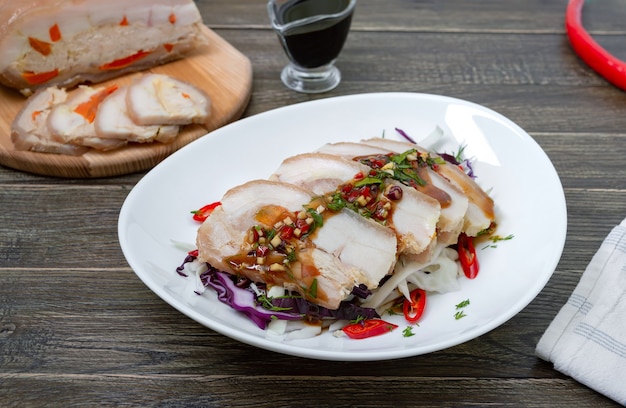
(509, 163)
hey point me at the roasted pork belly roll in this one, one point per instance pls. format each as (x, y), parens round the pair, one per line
(279, 234)
(67, 42)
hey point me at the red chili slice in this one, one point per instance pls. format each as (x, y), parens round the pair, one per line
(286, 232)
(413, 308)
(368, 328)
(467, 256)
(204, 212)
(302, 226)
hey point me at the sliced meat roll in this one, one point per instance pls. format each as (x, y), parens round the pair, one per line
(155, 99)
(453, 203)
(319, 172)
(480, 213)
(72, 121)
(344, 252)
(113, 122)
(29, 130)
(412, 215)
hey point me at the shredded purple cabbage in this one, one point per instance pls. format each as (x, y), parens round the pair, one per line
(404, 135)
(237, 294)
(242, 300)
(447, 157)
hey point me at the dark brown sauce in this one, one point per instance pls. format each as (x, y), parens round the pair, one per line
(431, 190)
(319, 43)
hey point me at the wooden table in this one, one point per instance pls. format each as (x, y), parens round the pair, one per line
(78, 328)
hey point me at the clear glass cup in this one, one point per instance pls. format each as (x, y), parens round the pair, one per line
(312, 33)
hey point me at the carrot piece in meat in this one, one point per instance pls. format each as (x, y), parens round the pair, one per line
(124, 62)
(34, 78)
(124, 22)
(55, 33)
(89, 108)
(42, 47)
(172, 18)
(168, 47)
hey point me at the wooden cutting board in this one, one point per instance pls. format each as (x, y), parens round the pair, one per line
(222, 71)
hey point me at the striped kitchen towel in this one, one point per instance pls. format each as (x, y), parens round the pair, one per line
(587, 338)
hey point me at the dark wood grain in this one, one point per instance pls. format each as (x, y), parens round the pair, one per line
(78, 328)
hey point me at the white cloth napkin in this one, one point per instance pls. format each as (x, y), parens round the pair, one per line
(587, 338)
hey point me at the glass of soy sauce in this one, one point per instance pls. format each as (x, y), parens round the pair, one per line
(312, 33)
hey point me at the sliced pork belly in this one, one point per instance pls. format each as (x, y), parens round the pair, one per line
(319, 172)
(453, 203)
(413, 217)
(396, 146)
(155, 99)
(72, 121)
(350, 150)
(330, 261)
(223, 233)
(113, 122)
(359, 242)
(480, 213)
(29, 130)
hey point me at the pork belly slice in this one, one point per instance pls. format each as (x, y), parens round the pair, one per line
(359, 242)
(413, 218)
(224, 232)
(29, 130)
(155, 99)
(352, 150)
(72, 121)
(113, 122)
(345, 252)
(319, 172)
(480, 212)
(453, 203)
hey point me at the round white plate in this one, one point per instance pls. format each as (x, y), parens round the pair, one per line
(508, 162)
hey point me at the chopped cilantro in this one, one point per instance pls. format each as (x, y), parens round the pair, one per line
(461, 305)
(408, 331)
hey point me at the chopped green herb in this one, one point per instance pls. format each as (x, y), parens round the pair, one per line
(408, 331)
(497, 238)
(458, 156)
(461, 305)
(313, 289)
(460, 313)
(367, 181)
